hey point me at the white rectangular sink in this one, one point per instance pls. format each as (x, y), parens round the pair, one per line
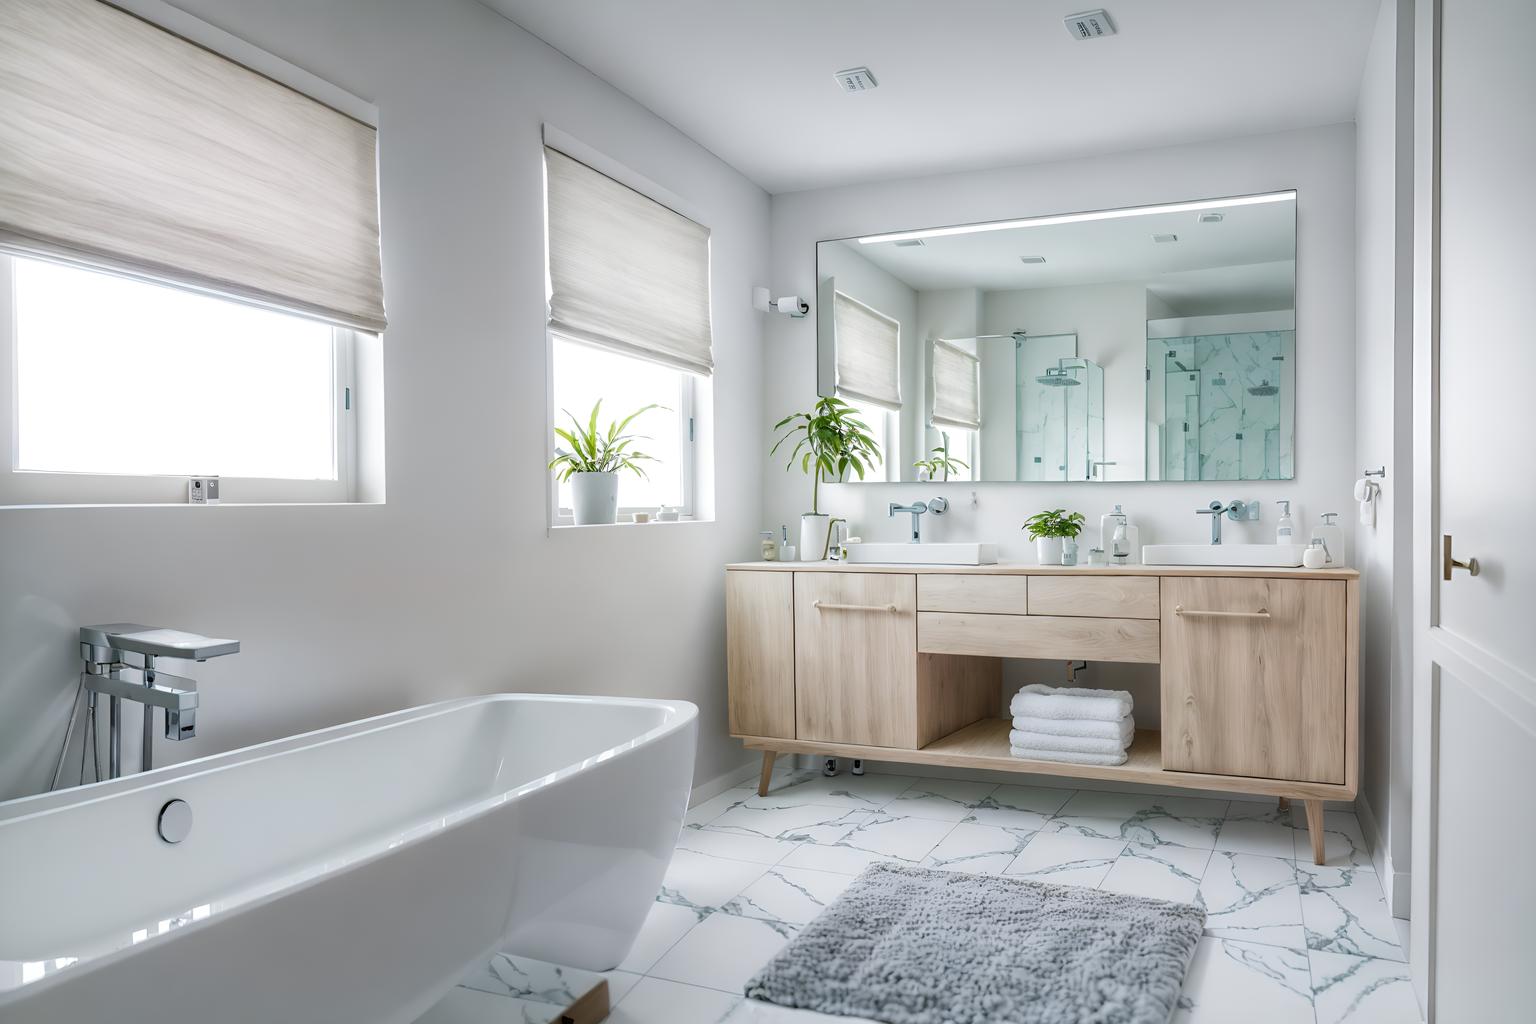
(925, 554)
(1264, 555)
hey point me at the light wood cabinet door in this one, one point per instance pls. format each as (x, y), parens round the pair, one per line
(1253, 679)
(760, 653)
(856, 658)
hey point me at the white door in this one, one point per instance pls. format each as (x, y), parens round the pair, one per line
(1473, 940)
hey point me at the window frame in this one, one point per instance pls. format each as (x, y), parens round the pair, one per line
(688, 447)
(22, 488)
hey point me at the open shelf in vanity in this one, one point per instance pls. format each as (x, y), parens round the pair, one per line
(901, 663)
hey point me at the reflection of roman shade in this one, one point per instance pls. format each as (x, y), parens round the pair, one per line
(956, 388)
(126, 148)
(868, 353)
(626, 273)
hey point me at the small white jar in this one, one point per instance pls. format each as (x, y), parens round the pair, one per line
(1316, 555)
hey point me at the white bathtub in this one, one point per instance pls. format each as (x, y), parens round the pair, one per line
(346, 875)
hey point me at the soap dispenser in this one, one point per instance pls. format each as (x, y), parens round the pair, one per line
(1285, 533)
(1332, 536)
(1108, 523)
(1110, 526)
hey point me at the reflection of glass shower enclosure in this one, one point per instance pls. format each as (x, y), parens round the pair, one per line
(1060, 410)
(1227, 405)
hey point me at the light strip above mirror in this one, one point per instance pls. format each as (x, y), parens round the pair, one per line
(1075, 218)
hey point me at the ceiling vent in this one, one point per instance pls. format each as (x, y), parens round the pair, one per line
(856, 79)
(908, 243)
(1031, 259)
(1211, 217)
(1089, 25)
(1165, 238)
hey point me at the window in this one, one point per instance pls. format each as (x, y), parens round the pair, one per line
(885, 428)
(122, 389)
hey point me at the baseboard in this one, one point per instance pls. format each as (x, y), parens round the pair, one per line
(730, 780)
(1394, 883)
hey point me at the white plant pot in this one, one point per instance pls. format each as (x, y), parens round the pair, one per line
(814, 533)
(595, 498)
(1048, 550)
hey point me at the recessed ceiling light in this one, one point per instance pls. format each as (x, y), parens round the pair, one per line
(856, 79)
(1089, 25)
(1031, 259)
(1165, 238)
(1211, 217)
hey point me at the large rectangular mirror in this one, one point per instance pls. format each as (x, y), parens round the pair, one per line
(1149, 343)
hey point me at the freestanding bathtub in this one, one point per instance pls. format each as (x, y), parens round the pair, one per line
(347, 875)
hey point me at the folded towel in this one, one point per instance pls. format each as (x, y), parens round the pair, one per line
(1070, 744)
(1039, 701)
(1086, 727)
(1067, 756)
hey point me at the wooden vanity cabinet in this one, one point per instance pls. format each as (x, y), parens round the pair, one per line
(760, 653)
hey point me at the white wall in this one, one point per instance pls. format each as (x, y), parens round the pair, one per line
(453, 587)
(1384, 436)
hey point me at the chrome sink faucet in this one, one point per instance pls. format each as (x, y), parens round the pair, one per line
(1234, 510)
(938, 506)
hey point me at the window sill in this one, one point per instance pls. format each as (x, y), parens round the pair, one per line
(621, 524)
(187, 504)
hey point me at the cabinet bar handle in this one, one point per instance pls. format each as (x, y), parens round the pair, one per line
(829, 606)
(1262, 613)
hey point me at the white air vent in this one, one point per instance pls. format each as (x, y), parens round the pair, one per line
(1031, 259)
(1211, 217)
(1165, 238)
(1089, 25)
(856, 79)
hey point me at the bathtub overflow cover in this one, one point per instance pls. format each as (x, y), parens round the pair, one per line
(175, 821)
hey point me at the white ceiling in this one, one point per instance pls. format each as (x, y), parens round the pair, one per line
(964, 84)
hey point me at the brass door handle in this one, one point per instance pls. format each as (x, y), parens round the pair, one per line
(1448, 563)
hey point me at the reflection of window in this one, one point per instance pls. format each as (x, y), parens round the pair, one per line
(868, 353)
(956, 388)
(884, 427)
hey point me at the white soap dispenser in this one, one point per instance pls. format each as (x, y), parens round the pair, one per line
(1109, 522)
(1332, 536)
(1285, 533)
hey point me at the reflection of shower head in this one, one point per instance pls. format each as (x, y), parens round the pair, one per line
(1058, 377)
(1265, 389)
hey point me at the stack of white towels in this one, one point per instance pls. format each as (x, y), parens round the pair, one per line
(1073, 725)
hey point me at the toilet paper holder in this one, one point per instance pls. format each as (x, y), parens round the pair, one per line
(1380, 471)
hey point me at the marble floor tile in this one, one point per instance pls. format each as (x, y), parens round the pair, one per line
(1345, 912)
(723, 952)
(1020, 807)
(884, 837)
(755, 1011)
(1257, 828)
(940, 799)
(795, 895)
(1361, 990)
(1067, 859)
(982, 849)
(1164, 872)
(521, 977)
(860, 792)
(798, 823)
(707, 811)
(1243, 981)
(664, 926)
(703, 883)
(734, 846)
(1251, 898)
(655, 1001)
(1343, 841)
(470, 1006)
(1150, 820)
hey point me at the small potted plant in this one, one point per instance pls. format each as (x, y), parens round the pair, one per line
(593, 461)
(1048, 529)
(830, 443)
(939, 465)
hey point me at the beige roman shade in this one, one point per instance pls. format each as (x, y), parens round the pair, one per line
(626, 273)
(956, 387)
(126, 148)
(868, 353)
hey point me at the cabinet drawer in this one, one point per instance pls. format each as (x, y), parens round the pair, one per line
(1038, 636)
(1108, 597)
(978, 593)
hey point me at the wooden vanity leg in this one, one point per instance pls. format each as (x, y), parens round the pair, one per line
(1315, 827)
(1285, 803)
(767, 776)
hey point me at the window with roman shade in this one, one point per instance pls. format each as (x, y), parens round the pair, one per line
(956, 387)
(126, 148)
(625, 272)
(868, 345)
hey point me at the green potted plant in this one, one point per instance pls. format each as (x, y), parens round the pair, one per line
(939, 465)
(830, 442)
(1048, 529)
(593, 461)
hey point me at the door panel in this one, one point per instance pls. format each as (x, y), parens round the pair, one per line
(1254, 677)
(760, 653)
(856, 658)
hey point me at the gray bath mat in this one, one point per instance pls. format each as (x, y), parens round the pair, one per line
(915, 946)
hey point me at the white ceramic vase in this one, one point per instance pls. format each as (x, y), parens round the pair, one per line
(815, 530)
(595, 498)
(1048, 550)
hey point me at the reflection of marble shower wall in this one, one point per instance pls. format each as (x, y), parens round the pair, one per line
(1042, 436)
(1241, 433)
